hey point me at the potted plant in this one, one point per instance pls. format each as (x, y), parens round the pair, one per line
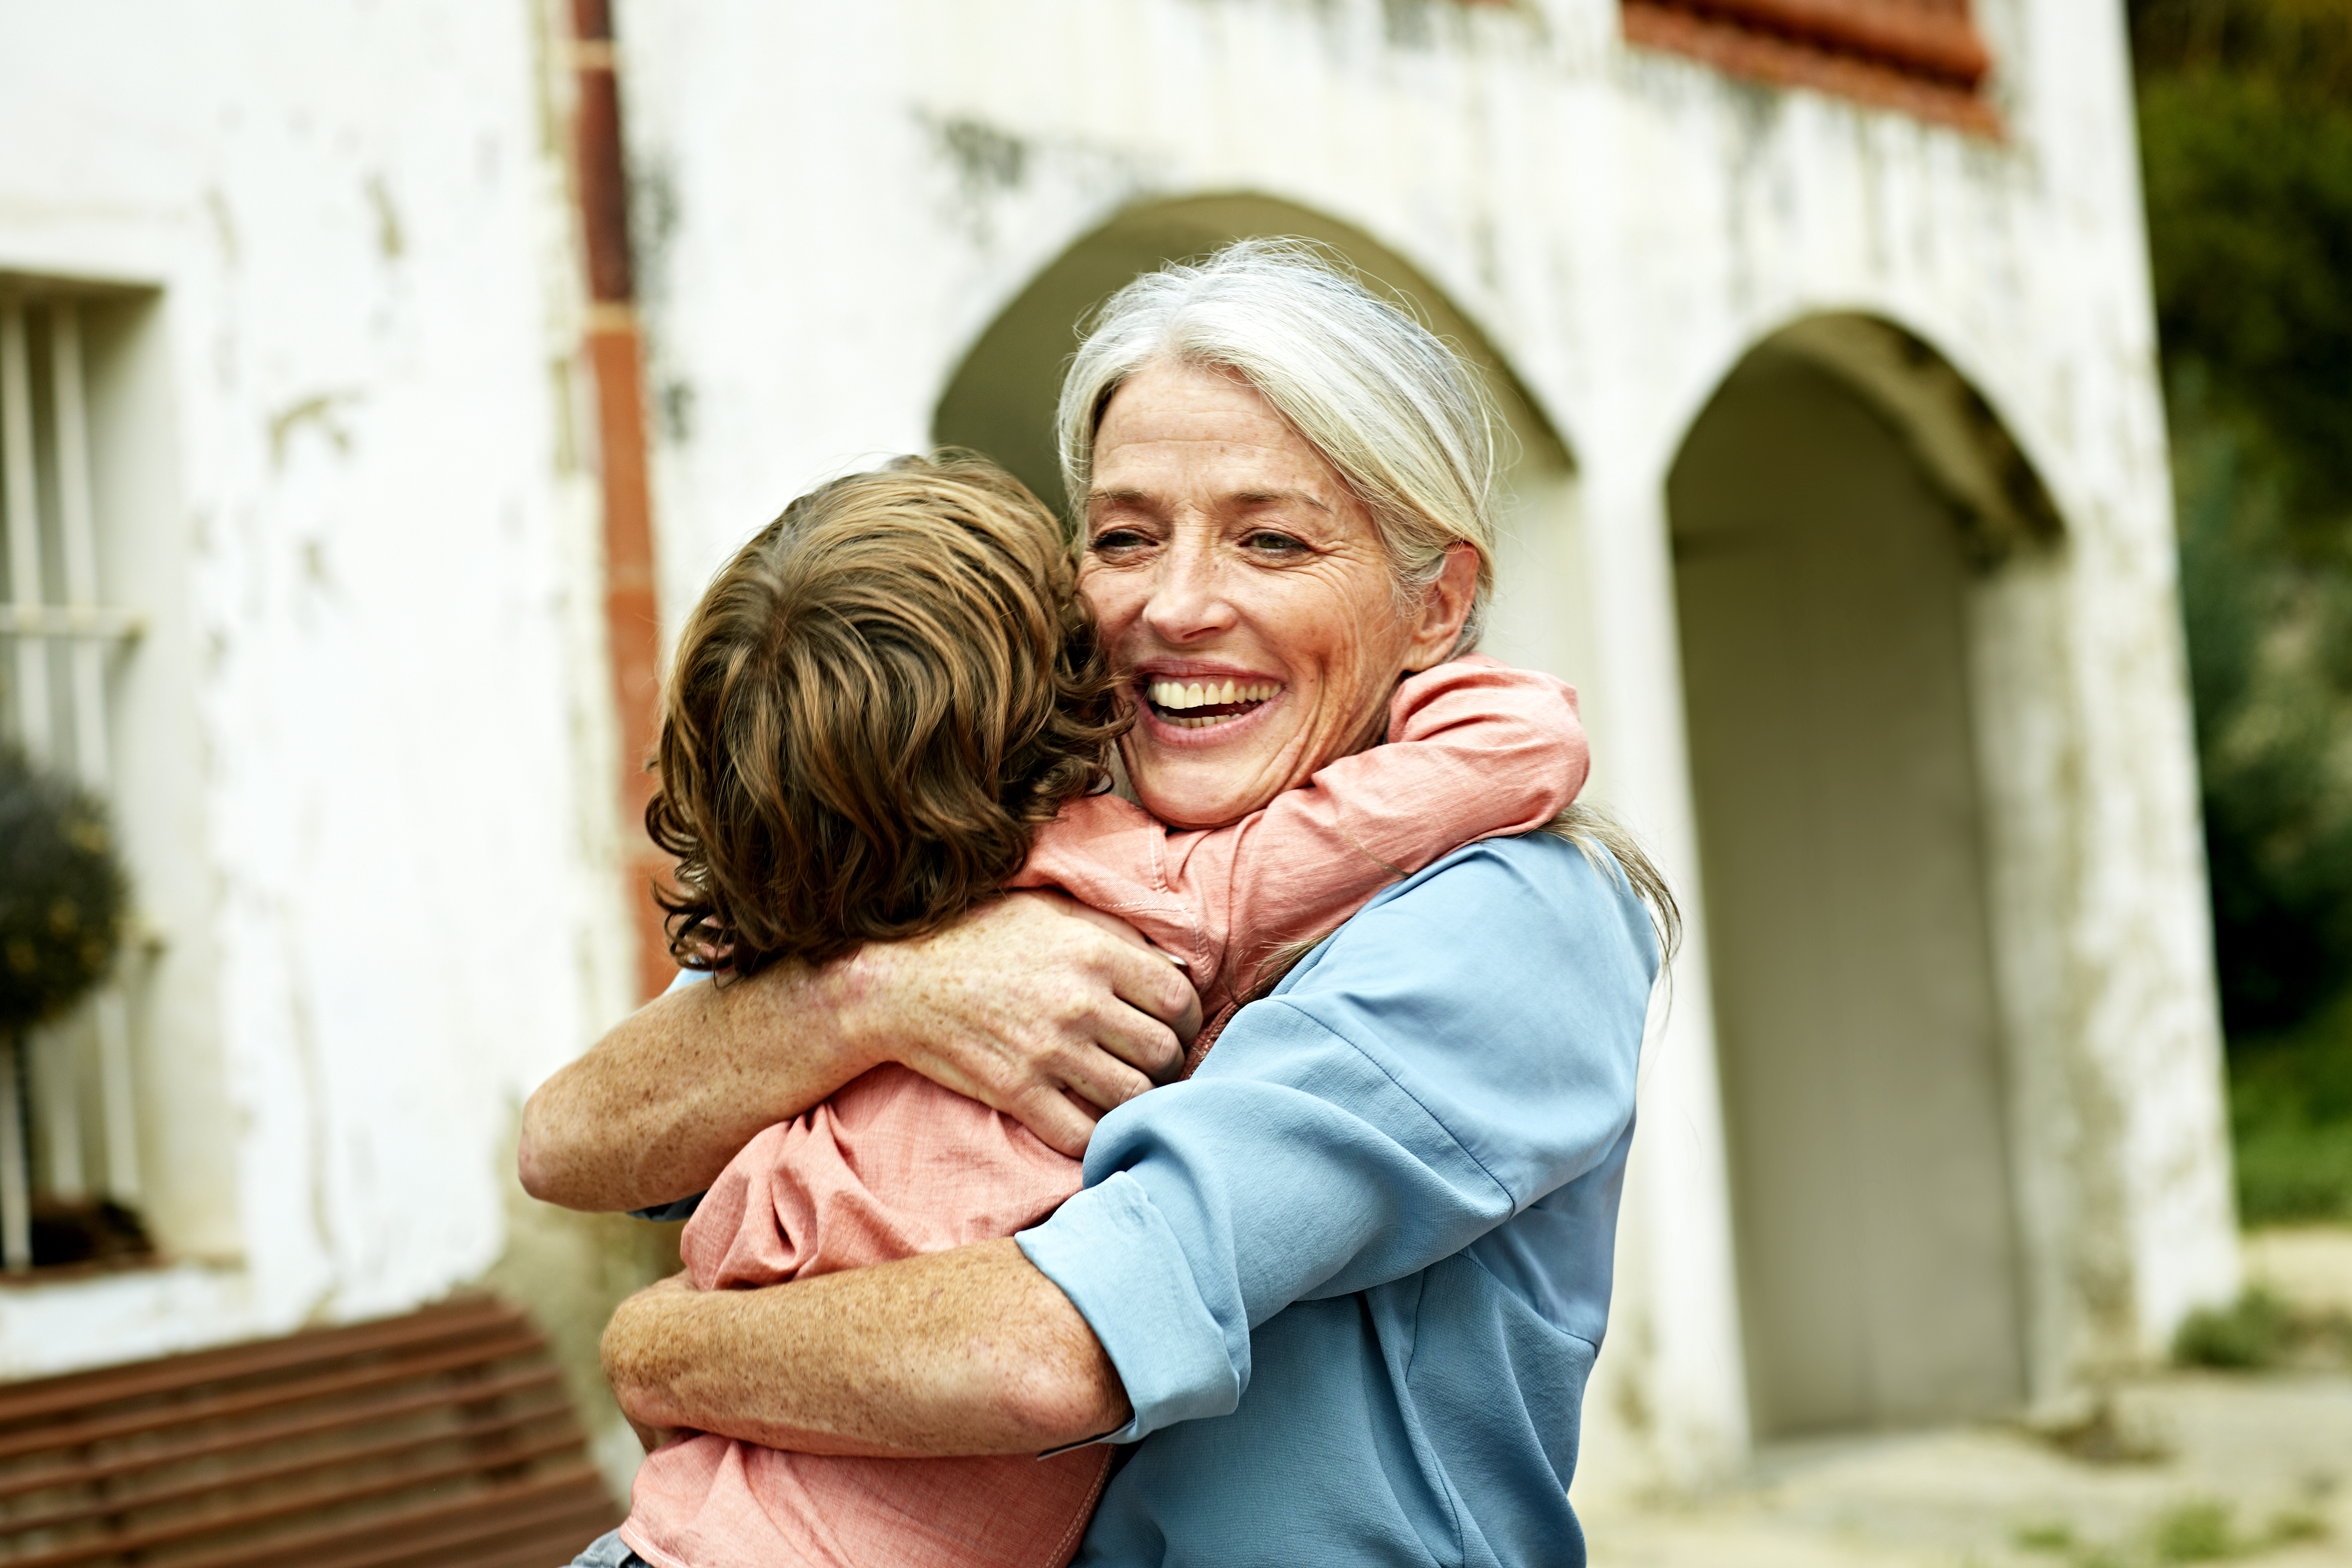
(63, 898)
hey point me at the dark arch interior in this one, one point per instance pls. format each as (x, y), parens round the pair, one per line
(1823, 581)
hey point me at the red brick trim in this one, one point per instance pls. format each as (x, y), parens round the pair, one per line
(632, 614)
(1921, 57)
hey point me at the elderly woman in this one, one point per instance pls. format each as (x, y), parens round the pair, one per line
(1343, 1286)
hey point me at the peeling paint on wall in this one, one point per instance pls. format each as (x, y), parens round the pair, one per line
(364, 504)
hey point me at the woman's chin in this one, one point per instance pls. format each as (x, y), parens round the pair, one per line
(1196, 785)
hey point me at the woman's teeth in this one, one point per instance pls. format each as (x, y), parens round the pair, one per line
(1177, 698)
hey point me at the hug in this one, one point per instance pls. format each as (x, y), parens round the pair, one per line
(1355, 987)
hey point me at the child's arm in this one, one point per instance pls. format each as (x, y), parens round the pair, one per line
(1477, 749)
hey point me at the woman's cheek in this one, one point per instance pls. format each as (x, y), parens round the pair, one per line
(1114, 607)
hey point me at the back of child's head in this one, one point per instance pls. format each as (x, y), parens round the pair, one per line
(874, 705)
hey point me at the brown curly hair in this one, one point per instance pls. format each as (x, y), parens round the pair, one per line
(873, 707)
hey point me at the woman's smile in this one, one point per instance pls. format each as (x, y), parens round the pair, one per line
(1189, 699)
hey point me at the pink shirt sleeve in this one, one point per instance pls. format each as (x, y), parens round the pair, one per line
(1477, 749)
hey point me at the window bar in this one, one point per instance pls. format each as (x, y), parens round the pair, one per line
(54, 1080)
(16, 1199)
(20, 500)
(109, 1013)
(18, 497)
(77, 534)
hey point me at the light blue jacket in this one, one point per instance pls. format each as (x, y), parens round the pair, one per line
(1355, 1271)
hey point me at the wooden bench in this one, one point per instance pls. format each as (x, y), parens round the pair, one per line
(441, 1439)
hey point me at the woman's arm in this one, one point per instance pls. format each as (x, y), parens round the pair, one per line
(1463, 1047)
(1033, 1004)
(969, 1351)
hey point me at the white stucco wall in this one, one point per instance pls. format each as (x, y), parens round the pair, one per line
(369, 543)
(338, 478)
(847, 195)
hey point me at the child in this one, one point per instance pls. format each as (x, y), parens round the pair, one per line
(889, 706)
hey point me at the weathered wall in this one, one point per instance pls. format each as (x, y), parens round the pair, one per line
(345, 456)
(842, 198)
(336, 473)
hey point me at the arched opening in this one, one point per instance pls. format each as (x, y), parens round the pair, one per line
(1000, 399)
(1836, 510)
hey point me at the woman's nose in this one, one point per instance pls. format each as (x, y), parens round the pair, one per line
(1187, 598)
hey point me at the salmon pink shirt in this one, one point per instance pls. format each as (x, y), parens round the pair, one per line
(893, 1165)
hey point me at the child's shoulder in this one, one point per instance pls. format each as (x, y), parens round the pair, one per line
(1096, 816)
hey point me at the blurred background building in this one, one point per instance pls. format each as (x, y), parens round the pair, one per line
(379, 385)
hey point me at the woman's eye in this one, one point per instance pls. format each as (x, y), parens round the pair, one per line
(1111, 540)
(1268, 542)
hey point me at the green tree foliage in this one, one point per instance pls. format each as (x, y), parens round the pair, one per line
(2246, 135)
(2246, 138)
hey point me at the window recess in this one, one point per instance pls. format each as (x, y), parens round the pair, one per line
(70, 1167)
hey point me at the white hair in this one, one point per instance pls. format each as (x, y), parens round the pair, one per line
(1399, 412)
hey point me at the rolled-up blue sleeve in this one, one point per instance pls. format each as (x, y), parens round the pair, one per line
(1465, 1045)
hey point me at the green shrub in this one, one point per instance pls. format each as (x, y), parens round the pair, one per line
(2290, 1171)
(2259, 1330)
(2045, 1535)
(62, 894)
(2291, 1117)
(2294, 1526)
(2255, 1331)
(2195, 1533)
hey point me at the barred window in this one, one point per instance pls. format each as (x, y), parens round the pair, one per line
(69, 1146)
(1923, 57)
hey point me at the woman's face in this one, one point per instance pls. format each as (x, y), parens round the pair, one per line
(1239, 585)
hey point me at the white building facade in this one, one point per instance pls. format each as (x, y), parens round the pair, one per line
(1841, 495)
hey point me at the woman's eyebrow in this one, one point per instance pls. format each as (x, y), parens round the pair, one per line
(1122, 497)
(1268, 497)
(1143, 500)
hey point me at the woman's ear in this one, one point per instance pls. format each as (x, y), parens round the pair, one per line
(1445, 605)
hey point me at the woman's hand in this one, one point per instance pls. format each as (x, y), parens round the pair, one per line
(636, 1408)
(1033, 1004)
(1036, 1006)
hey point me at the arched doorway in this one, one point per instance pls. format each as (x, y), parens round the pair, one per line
(1833, 510)
(1000, 399)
